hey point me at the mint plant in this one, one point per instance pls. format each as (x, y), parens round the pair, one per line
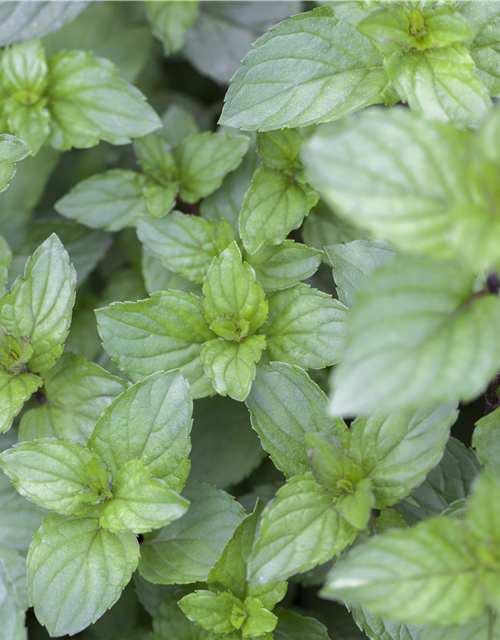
(249, 337)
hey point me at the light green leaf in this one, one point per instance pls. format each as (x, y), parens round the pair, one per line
(159, 278)
(57, 474)
(425, 575)
(170, 622)
(5, 260)
(230, 366)
(441, 84)
(155, 158)
(274, 205)
(182, 243)
(285, 404)
(14, 565)
(353, 263)
(88, 102)
(211, 611)
(233, 302)
(299, 529)
(225, 448)
(150, 422)
(332, 468)
(293, 626)
(378, 628)
(486, 627)
(11, 151)
(14, 391)
(30, 123)
(322, 228)
(186, 550)
(160, 200)
(204, 159)
(306, 327)
(39, 305)
(159, 334)
(75, 394)
(404, 199)
(259, 622)
(417, 337)
(486, 441)
(77, 570)
(178, 123)
(19, 518)
(397, 451)
(311, 68)
(279, 149)
(111, 200)
(448, 482)
(170, 21)
(140, 503)
(12, 611)
(24, 71)
(355, 507)
(285, 265)
(484, 50)
(22, 22)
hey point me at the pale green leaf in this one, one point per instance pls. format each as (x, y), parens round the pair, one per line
(155, 417)
(77, 570)
(156, 159)
(140, 503)
(75, 394)
(5, 260)
(353, 263)
(111, 200)
(486, 627)
(486, 441)
(14, 564)
(211, 611)
(332, 468)
(159, 334)
(397, 451)
(56, 474)
(274, 205)
(14, 391)
(356, 507)
(323, 228)
(306, 327)
(230, 366)
(417, 337)
(88, 102)
(484, 50)
(425, 575)
(311, 68)
(284, 405)
(441, 84)
(178, 123)
(20, 22)
(299, 529)
(170, 622)
(159, 278)
(30, 123)
(11, 151)
(186, 550)
(204, 159)
(182, 243)
(279, 149)
(284, 265)
(24, 71)
(39, 305)
(378, 628)
(170, 21)
(12, 613)
(293, 626)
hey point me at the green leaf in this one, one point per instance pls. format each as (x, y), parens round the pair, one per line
(155, 159)
(486, 627)
(170, 622)
(12, 611)
(14, 391)
(353, 264)
(169, 22)
(20, 22)
(5, 260)
(279, 149)
(322, 228)
(274, 205)
(355, 506)
(306, 327)
(404, 199)
(169, 328)
(211, 611)
(417, 337)
(225, 449)
(182, 243)
(57, 474)
(88, 102)
(378, 628)
(155, 417)
(24, 71)
(341, 73)
(233, 302)
(259, 622)
(11, 151)
(332, 468)
(186, 550)
(483, 46)
(299, 529)
(446, 78)
(486, 441)
(30, 123)
(75, 394)
(285, 404)
(285, 265)
(397, 451)
(111, 200)
(230, 366)
(159, 278)
(178, 123)
(425, 575)
(204, 159)
(140, 503)
(39, 305)
(448, 482)
(293, 626)
(77, 570)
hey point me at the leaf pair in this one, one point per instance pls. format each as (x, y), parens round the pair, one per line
(125, 482)
(316, 515)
